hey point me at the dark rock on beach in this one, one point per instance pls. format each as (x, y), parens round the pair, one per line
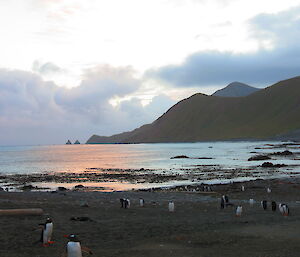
(180, 157)
(269, 165)
(259, 158)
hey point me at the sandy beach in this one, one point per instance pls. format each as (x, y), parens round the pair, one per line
(198, 227)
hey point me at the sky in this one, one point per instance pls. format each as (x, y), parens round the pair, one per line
(73, 68)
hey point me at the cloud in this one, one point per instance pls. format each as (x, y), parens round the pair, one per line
(267, 65)
(45, 68)
(33, 111)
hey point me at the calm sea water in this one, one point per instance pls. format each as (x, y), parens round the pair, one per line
(77, 158)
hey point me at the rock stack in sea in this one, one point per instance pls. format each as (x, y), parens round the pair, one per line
(77, 142)
(68, 142)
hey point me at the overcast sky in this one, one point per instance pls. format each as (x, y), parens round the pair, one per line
(73, 68)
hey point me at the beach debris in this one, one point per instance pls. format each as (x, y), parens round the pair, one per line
(84, 218)
(264, 204)
(284, 209)
(171, 206)
(239, 211)
(269, 190)
(21, 212)
(273, 206)
(259, 158)
(251, 202)
(142, 202)
(47, 229)
(74, 248)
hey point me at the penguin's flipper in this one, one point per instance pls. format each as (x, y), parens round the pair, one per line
(87, 250)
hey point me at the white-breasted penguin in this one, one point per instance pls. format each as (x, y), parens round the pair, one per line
(269, 190)
(284, 209)
(239, 211)
(171, 206)
(142, 202)
(74, 248)
(251, 202)
(243, 188)
(264, 204)
(47, 232)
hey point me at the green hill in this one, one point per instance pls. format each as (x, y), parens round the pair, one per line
(268, 113)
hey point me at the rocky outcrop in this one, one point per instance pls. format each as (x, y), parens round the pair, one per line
(68, 142)
(77, 142)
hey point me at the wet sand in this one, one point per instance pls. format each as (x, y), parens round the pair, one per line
(198, 227)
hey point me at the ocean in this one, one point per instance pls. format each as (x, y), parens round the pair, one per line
(221, 156)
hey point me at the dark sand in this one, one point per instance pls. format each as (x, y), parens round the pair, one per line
(197, 227)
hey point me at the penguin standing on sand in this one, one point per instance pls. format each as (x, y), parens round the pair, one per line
(269, 190)
(284, 209)
(142, 202)
(239, 211)
(74, 249)
(251, 202)
(122, 201)
(171, 206)
(47, 232)
(273, 206)
(264, 204)
(224, 201)
(243, 188)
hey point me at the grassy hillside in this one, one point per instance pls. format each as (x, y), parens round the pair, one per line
(264, 114)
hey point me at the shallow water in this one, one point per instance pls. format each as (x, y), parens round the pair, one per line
(78, 158)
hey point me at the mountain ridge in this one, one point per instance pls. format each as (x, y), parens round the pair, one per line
(264, 114)
(235, 89)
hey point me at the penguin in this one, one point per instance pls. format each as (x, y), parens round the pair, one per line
(264, 204)
(47, 232)
(239, 211)
(273, 206)
(243, 188)
(284, 209)
(127, 203)
(142, 202)
(122, 202)
(222, 203)
(269, 190)
(251, 202)
(171, 206)
(74, 248)
(225, 200)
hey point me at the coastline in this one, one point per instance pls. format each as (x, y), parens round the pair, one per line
(198, 227)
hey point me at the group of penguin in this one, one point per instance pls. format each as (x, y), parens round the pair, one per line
(73, 249)
(283, 208)
(125, 203)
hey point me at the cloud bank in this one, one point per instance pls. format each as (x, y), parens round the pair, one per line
(277, 59)
(33, 111)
